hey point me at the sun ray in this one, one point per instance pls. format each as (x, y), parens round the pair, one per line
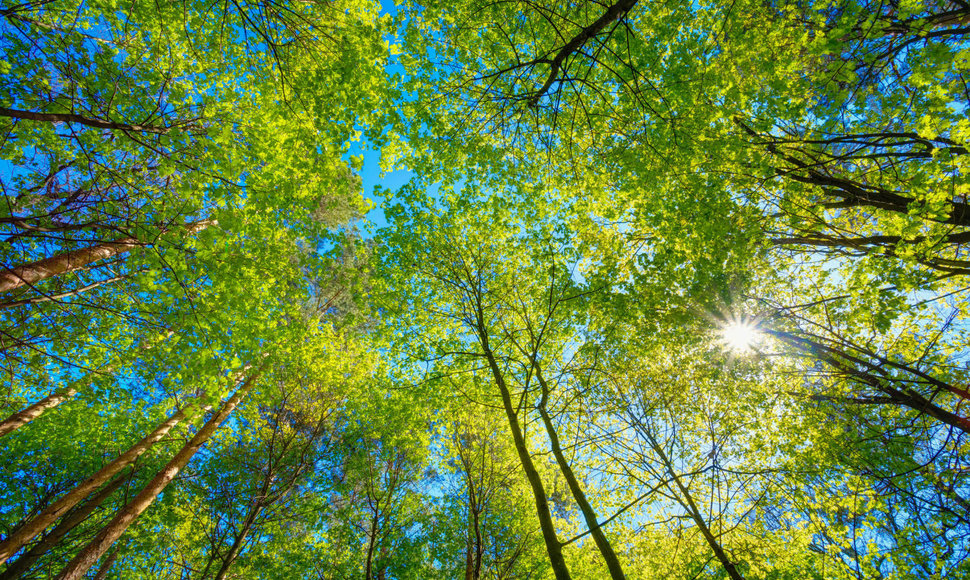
(739, 336)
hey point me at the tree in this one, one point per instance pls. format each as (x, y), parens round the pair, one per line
(676, 289)
(262, 469)
(161, 129)
(830, 192)
(483, 526)
(509, 320)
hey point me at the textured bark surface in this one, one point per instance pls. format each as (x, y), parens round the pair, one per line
(21, 418)
(39, 523)
(84, 560)
(29, 274)
(63, 528)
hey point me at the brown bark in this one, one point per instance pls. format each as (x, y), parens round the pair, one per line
(478, 498)
(80, 119)
(469, 567)
(69, 261)
(21, 418)
(84, 560)
(883, 246)
(29, 274)
(904, 397)
(855, 193)
(589, 515)
(64, 527)
(39, 523)
(105, 567)
(265, 496)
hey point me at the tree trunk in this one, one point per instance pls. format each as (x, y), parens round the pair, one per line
(24, 563)
(80, 119)
(478, 549)
(477, 500)
(237, 544)
(81, 563)
(29, 274)
(473, 558)
(695, 513)
(589, 515)
(553, 545)
(31, 529)
(105, 567)
(469, 569)
(21, 418)
(372, 542)
(257, 507)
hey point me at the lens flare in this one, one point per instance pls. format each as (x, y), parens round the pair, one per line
(739, 336)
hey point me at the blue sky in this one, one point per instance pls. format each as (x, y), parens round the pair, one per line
(372, 177)
(371, 174)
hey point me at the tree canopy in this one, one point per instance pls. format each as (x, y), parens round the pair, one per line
(673, 290)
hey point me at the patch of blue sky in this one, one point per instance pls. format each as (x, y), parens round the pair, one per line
(378, 183)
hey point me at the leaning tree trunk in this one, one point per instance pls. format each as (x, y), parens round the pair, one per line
(24, 563)
(589, 515)
(263, 500)
(546, 525)
(102, 572)
(237, 543)
(39, 523)
(250, 522)
(84, 560)
(694, 512)
(72, 260)
(21, 418)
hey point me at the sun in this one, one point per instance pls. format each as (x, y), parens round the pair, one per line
(740, 336)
